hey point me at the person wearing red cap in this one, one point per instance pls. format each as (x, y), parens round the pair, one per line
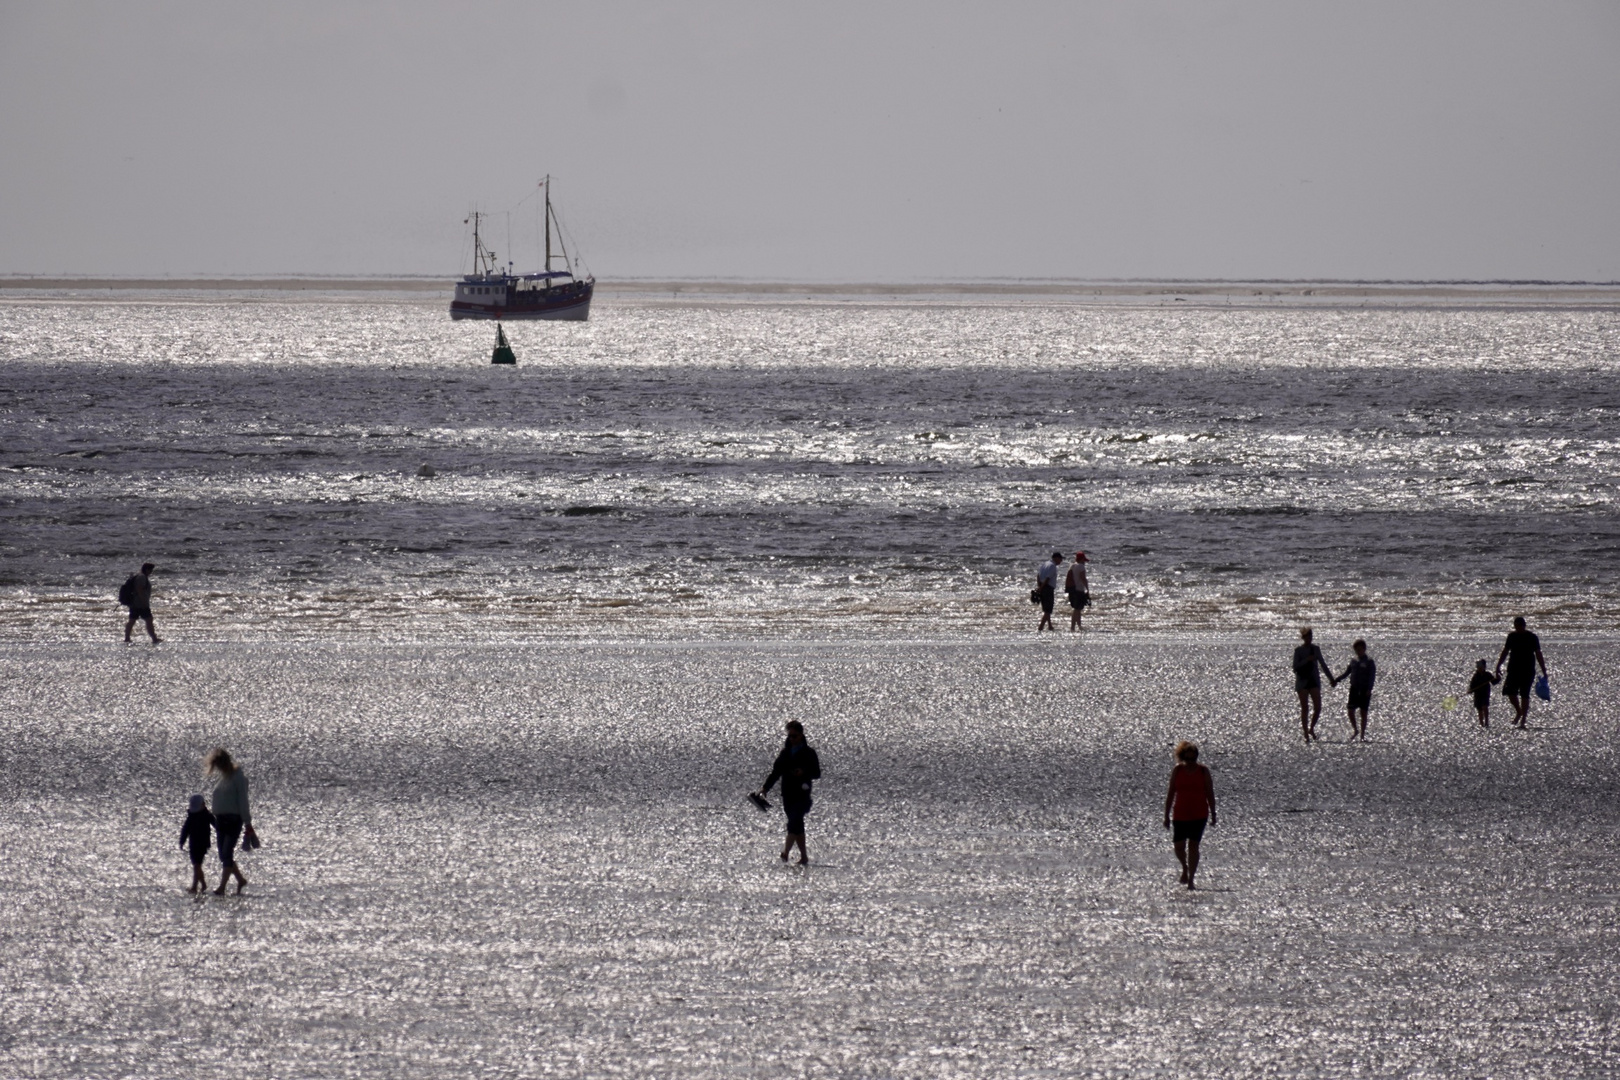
(1079, 592)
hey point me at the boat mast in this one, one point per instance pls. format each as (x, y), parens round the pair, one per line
(547, 183)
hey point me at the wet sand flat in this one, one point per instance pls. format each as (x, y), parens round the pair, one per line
(511, 859)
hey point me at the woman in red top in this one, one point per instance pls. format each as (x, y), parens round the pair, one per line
(1192, 798)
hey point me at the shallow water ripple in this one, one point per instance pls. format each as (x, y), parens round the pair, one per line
(685, 471)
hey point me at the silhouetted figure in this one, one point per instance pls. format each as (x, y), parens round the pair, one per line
(1309, 667)
(1480, 686)
(1361, 672)
(136, 594)
(1046, 588)
(198, 828)
(1522, 651)
(1189, 805)
(233, 816)
(1079, 591)
(797, 766)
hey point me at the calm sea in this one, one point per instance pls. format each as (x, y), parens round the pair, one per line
(804, 469)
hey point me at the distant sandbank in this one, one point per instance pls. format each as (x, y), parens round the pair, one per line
(1331, 294)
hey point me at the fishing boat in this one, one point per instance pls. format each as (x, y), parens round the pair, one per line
(491, 293)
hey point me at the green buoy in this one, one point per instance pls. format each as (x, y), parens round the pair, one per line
(503, 353)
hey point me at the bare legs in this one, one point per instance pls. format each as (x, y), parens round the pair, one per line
(151, 631)
(1484, 716)
(1358, 732)
(1187, 856)
(787, 846)
(1074, 619)
(1521, 708)
(1310, 710)
(199, 880)
(224, 879)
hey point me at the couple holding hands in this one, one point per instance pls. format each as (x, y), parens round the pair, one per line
(1310, 666)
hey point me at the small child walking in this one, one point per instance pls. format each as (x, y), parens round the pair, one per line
(1480, 686)
(197, 829)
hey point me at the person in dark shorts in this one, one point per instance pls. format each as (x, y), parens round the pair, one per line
(198, 827)
(1522, 651)
(1480, 686)
(1074, 583)
(1189, 805)
(798, 767)
(1361, 672)
(136, 595)
(1046, 590)
(1309, 667)
(233, 817)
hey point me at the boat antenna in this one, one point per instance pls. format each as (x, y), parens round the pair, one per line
(483, 258)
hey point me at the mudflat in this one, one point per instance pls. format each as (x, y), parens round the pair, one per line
(537, 859)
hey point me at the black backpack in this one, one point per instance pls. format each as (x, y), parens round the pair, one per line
(126, 591)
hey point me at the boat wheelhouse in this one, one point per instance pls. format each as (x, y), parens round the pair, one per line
(489, 293)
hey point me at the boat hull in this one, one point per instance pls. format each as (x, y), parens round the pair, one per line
(571, 304)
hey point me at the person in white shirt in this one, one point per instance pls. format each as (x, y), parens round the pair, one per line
(1079, 591)
(1046, 588)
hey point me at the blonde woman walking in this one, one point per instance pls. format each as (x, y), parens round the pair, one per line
(233, 816)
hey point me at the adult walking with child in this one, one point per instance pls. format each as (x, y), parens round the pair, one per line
(233, 816)
(1309, 667)
(1522, 651)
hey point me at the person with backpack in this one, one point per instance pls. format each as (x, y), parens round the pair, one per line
(136, 594)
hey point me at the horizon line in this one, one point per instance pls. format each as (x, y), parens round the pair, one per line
(70, 279)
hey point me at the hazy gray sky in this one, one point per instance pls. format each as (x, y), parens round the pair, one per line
(825, 141)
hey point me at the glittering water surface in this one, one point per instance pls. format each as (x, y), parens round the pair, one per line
(535, 860)
(811, 470)
(500, 719)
